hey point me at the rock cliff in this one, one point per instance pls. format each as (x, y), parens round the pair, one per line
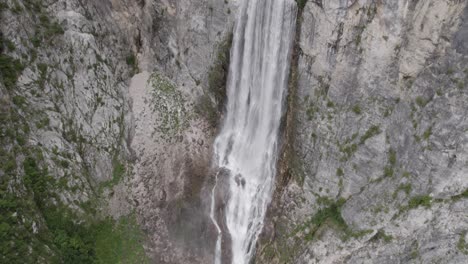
(109, 109)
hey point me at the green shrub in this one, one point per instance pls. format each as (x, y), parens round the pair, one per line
(462, 245)
(348, 150)
(16, 7)
(131, 60)
(427, 133)
(42, 67)
(19, 100)
(339, 172)
(388, 171)
(421, 101)
(331, 213)
(36, 40)
(3, 6)
(420, 200)
(10, 70)
(371, 132)
(357, 109)
(301, 4)
(463, 195)
(310, 112)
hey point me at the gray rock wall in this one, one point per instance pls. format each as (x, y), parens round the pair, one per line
(379, 154)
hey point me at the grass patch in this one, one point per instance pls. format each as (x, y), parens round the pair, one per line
(371, 132)
(119, 242)
(427, 133)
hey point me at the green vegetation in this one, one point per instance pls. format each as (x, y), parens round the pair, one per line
(131, 61)
(329, 216)
(118, 173)
(414, 202)
(392, 157)
(420, 200)
(463, 195)
(462, 245)
(392, 160)
(119, 242)
(35, 225)
(3, 6)
(388, 171)
(427, 133)
(301, 4)
(421, 101)
(371, 132)
(19, 100)
(381, 235)
(348, 150)
(450, 70)
(310, 112)
(42, 68)
(339, 172)
(10, 70)
(357, 109)
(38, 228)
(403, 187)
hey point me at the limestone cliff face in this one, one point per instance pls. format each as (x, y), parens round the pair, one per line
(82, 139)
(378, 159)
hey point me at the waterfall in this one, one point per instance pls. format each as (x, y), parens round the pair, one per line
(247, 145)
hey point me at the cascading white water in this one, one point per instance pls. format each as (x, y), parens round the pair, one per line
(247, 146)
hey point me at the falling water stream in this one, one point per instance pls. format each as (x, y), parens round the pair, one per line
(247, 145)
